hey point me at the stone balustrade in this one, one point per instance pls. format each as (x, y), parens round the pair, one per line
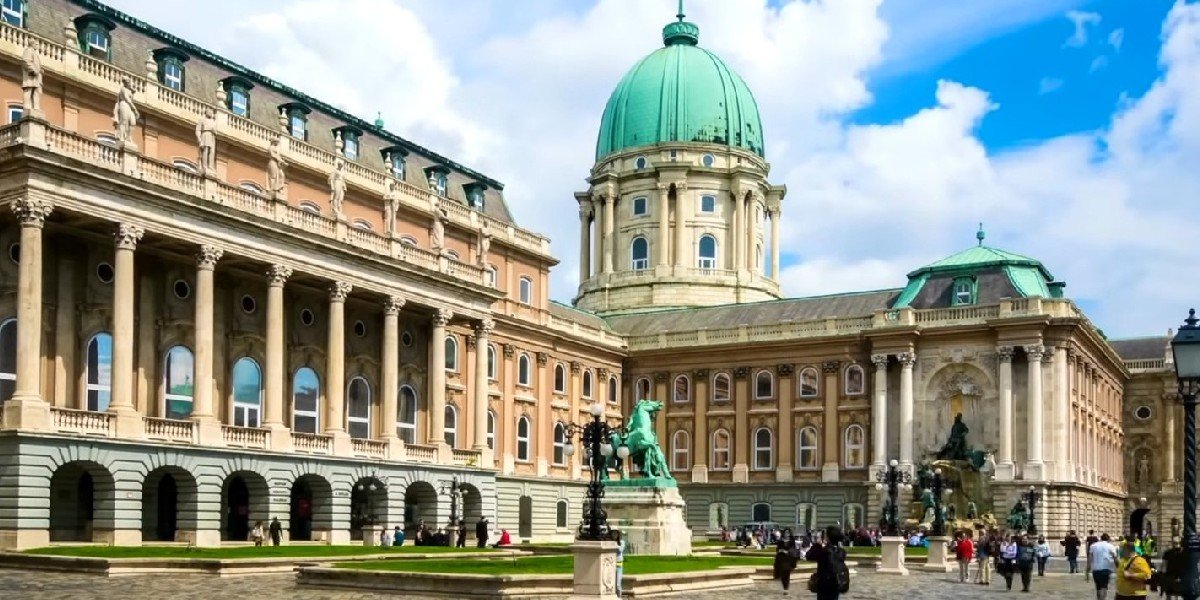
(244, 437)
(464, 457)
(312, 443)
(369, 448)
(68, 420)
(1147, 364)
(420, 453)
(170, 430)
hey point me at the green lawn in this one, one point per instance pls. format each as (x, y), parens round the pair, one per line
(239, 552)
(556, 565)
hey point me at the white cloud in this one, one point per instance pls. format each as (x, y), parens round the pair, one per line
(1098, 63)
(1049, 85)
(1116, 38)
(1081, 20)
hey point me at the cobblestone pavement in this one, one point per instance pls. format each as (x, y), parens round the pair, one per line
(28, 585)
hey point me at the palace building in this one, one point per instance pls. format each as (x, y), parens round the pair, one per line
(224, 301)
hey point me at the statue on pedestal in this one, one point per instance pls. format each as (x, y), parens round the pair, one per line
(337, 187)
(206, 140)
(437, 231)
(391, 205)
(125, 114)
(642, 442)
(1018, 517)
(31, 81)
(276, 178)
(956, 445)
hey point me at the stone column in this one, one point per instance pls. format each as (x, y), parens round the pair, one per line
(738, 229)
(907, 360)
(1169, 404)
(662, 249)
(129, 422)
(681, 212)
(879, 410)
(390, 382)
(1035, 406)
(1005, 469)
(202, 406)
(785, 467)
(598, 236)
(437, 382)
(1060, 435)
(335, 363)
(830, 436)
(741, 441)
(700, 381)
(66, 331)
(609, 242)
(482, 330)
(585, 242)
(748, 245)
(27, 409)
(275, 377)
(775, 244)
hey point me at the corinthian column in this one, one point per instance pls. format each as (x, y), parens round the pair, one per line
(1005, 470)
(907, 360)
(127, 238)
(775, 244)
(681, 212)
(738, 230)
(26, 409)
(609, 242)
(1034, 466)
(275, 382)
(390, 388)
(879, 418)
(335, 365)
(585, 244)
(437, 378)
(482, 329)
(206, 262)
(662, 251)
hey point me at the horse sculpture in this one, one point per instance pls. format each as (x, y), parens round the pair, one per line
(642, 442)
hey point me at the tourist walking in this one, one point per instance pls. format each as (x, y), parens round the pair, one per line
(1026, 555)
(965, 549)
(832, 578)
(462, 534)
(1006, 564)
(620, 540)
(481, 533)
(1070, 545)
(1102, 560)
(1091, 539)
(785, 560)
(985, 552)
(1174, 562)
(276, 530)
(1042, 550)
(257, 534)
(1133, 573)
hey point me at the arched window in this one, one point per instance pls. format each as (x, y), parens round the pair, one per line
(7, 359)
(560, 378)
(450, 431)
(720, 450)
(720, 392)
(451, 353)
(587, 384)
(99, 371)
(760, 512)
(764, 449)
(854, 447)
(247, 392)
(643, 389)
(409, 240)
(560, 514)
(358, 408)
(491, 430)
(491, 365)
(406, 415)
(855, 382)
(306, 394)
(681, 448)
(852, 516)
(639, 254)
(683, 389)
(808, 382)
(708, 252)
(806, 517)
(185, 165)
(806, 448)
(764, 386)
(108, 139)
(523, 370)
(177, 382)
(452, 254)
(523, 439)
(560, 444)
(614, 394)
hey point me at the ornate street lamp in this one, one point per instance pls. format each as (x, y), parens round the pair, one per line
(938, 487)
(892, 479)
(1186, 350)
(451, 487)
(368, 486)
(596, 437)
(1031, 500)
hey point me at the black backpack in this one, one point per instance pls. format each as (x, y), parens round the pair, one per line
(837, 564)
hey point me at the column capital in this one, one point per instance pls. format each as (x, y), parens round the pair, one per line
(1005, 353)
(484, 327)
(277, 275)
(1035, 351)
(128, 236)
(32, 212)
(664, 188)
(785, 369)
(879, 360)
(680, 186)
(207, 257)
(339, 290)
(542, 358)
(393, 305)
(907, 359)
(700, 374)
(442, 316)
(830, 366)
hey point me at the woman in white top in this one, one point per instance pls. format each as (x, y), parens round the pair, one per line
(1006, 563)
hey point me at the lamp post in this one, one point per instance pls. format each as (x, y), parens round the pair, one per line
(596, 438)
(1186, 351)
(937, 487)
(1031, 500)
(368, 486)
(893, 479)
(451, 487)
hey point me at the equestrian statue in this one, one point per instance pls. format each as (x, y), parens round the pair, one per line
(642, 442)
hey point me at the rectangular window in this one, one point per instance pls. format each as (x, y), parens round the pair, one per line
(172, 75)
(439, 183)
(708, 204)
(397, 165)
(97, 42)
(526, 291)
(13, 12)
(639, 206)
(298, 124)
(350, 145)
(15, 112)
(964, 291)
(707, 262)
(239, 101)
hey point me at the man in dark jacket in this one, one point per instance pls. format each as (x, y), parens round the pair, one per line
(276, 531)
(1070, 546)
(481, 533)
(831, 562)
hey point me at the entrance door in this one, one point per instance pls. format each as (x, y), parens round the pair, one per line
(1137, 521)
(237, 510)
(168, 502)
(86, 493)
(301, 515)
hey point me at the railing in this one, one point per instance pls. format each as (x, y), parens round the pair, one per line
(104, 70)
(369, 448)
(310, 221)
(958, 313)
(368, 240)
(242, 199)
(21, 38)
(9, 134)
(312, 443)
(244, 437)
(169, 176)
(417, 453)
(464, 457)
(90, 151)
(170, 430)
(1146, 364)
(82, 421)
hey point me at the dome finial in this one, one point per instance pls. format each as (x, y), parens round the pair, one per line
(681, 32)
(679, 15)
(979, 235)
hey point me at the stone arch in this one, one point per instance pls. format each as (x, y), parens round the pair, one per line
(82, 501)
(368, 504)
(170, 503)
(525, 517)
(472, 503)
(245, 499)
(310, 512)
(959, 388)
(420, 505)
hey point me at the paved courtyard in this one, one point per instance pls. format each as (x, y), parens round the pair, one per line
(46, 586)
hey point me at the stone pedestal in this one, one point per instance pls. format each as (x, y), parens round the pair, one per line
(26, 413)
(203, 538)
(370, 534)
(595, 570)
(650, 519)
(893, 556)
(939, 555)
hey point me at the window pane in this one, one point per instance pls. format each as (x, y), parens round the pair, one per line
(359, 398)
(721, 388)
(305, 390)
(247, 382)
(681, 389)
(451, 353)
(763, 385)
(99, 372)
(8, 347)
(179, 385)
(305, 424)
(808, 382)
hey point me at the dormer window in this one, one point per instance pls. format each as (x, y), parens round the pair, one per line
(394, 159)
(13, 12)
(237, 95)
(437, 177)
(964, 291)
(297, 119)
(95, 38)
(170, 67)
(475, 195)
(350, 137)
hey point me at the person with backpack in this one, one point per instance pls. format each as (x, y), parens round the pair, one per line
(1091, 539)
(1026, 556)
(785, 560)
(832, 578)
(1102, 560)
(1133, 571)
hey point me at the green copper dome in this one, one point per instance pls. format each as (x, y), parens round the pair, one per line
(680, 93)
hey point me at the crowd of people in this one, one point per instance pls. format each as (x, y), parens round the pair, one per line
(454, 533)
